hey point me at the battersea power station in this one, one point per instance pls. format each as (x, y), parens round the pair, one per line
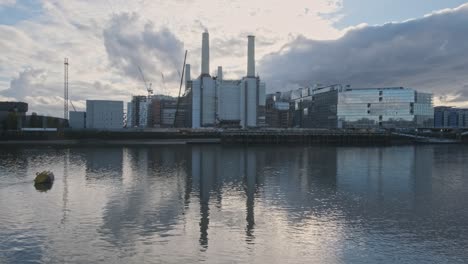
(213, 101)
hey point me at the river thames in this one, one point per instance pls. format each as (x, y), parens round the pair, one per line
(235, 204)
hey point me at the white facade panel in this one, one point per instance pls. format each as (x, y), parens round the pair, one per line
(229, 101)
(208, 101)
(242, 104)
(102, 114)
(252, 99)
(196, 104)
(376, 95)
(262, 94)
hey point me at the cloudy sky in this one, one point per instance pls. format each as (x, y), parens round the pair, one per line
(415, 43)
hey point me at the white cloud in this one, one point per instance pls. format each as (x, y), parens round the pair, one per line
(428, 54)
(77, 30)
(102, 53)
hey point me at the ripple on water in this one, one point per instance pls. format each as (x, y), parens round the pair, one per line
(213, 204)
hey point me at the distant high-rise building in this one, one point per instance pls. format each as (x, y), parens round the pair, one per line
(104, 114)
(450, 117)
(137, 112)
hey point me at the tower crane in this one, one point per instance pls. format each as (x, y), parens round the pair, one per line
(148, 86)
(180, 88)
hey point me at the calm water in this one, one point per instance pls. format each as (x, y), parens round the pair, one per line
(213, 204)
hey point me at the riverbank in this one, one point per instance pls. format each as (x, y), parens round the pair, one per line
(101, 142)
(213, 136)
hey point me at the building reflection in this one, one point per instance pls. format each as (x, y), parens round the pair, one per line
(14, 161)
(250, 187)
(384, 176)
(171, 185)
(103, 163)
(213, 169)
(151, 200)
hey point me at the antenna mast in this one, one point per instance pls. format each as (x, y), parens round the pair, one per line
(65, 88)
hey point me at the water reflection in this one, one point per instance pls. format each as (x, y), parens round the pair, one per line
(240, 204)
(43, 187)
(103, 163)
(150, 201)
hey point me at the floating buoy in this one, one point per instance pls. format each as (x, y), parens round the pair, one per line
(44, 177)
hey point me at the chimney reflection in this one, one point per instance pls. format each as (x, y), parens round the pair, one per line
(212, 167)
(250, 180)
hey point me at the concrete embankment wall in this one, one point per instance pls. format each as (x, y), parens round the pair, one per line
(211, 136)
(311, 138)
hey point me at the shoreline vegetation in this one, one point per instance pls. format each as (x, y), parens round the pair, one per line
(219, 136)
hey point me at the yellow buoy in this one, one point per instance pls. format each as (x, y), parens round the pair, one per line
(44, 177)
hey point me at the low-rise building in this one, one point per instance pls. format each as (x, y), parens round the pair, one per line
(450, 117)
(77, 120)
(12, 115)
(104, 114)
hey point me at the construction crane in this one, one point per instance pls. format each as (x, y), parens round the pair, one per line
(180, 88)
(148, 86)
(74, 109)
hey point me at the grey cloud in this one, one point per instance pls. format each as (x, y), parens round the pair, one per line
(427, 53)
(460, 96)
(128, 46)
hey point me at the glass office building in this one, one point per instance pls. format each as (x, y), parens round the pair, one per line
(346, 107)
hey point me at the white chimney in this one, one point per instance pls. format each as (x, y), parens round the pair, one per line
(205, 54)
(251, 56)
(187, 75)
(220, 73)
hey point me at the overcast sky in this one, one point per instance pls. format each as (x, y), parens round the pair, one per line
(421, 44)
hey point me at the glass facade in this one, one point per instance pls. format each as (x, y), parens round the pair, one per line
(340, 107)
(384, 107)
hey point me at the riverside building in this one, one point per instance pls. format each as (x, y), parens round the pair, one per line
(104, 114)
(345, 107)
(218, 102)
(450, 117)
